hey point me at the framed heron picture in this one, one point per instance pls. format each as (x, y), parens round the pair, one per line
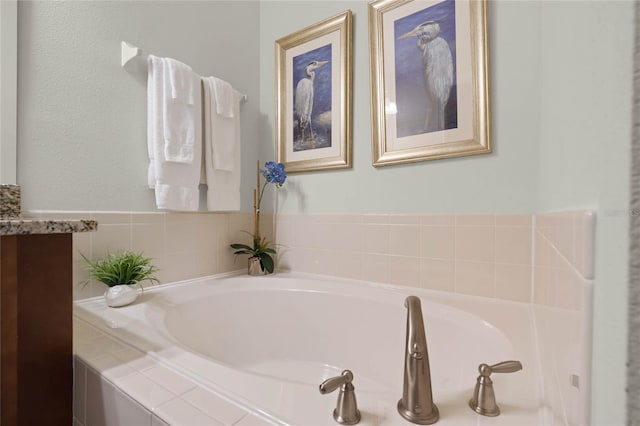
(313, 96)
(429, 79)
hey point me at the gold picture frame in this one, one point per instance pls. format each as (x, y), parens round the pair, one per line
(314, 96)
(429, 80)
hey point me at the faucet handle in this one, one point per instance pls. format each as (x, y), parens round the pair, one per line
(346, 411)
(334, 383)
(501, 367)
(483, 400)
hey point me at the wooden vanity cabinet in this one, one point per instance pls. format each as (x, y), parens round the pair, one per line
(36, 354)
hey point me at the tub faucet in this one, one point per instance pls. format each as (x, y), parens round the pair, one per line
(416, 404)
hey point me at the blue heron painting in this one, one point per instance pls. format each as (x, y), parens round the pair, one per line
(312, 99)
(425, 49)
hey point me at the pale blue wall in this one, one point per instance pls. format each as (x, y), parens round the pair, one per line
(82, 118)
(499, 182)
(584, 161)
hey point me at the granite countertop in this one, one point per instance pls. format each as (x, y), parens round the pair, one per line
(22, 226)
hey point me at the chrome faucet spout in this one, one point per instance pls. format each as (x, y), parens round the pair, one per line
(417, 404)
(416, 337)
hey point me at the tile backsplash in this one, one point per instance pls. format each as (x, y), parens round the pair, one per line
(182, 245)
(511, 257)
(483, 255)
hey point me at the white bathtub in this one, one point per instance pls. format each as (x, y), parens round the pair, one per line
(268, 342)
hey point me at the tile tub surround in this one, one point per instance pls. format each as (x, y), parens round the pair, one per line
(182, 245)
(544, 260)
(563, 286)
(479, 255)
(117, 385)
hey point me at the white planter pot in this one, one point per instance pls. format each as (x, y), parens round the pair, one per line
(120, 295)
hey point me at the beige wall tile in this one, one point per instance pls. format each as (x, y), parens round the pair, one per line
(438, 220)
(404, 219)
(179, 266)
(375, 267)
(475, 278)
(315, 261)
(181, 235)
(565, 289)
(376, 218)
(239, 227)
(542, 280)
(339, 218)
(148, 217)
(558, 229)
(414, 250)
(475, 220)
(404, 240)
(110, 239)
(545, 254)
(348, 236)
(111, 218)
(437, 242)
(513, 245)
(525, 220)
(584, 239)
(375, 238)
(404, 270)
(181, 216)
(287, 230)
(347, 264)
(437, 274)
(513, 282)
(81, 245)
(286, 259)
(148, 238)
(475, 243)
(563, 236)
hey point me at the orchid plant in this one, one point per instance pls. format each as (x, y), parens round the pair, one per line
(273, 173)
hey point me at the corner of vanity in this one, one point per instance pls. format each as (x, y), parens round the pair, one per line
(36, 376)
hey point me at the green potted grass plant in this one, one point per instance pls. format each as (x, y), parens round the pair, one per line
(120, 272)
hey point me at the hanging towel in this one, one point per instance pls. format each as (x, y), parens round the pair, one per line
(223, 193)
(223, 138)
(175, 183)
(155, 129)
(225, 98)
(181, 122)
(183, 86)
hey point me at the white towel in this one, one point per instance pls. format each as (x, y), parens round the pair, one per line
(224, 97)
(223, 193)
(181, 122)
(223, 138)
(183, 86)
(175, 183)
(155, 129)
